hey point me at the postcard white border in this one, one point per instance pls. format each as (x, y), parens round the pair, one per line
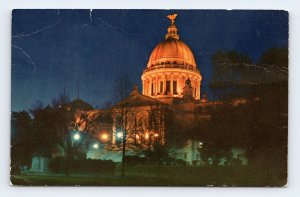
(293, 6)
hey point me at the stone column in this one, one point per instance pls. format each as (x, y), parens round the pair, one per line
(150, 86)
(146, 87)
(145, 90)
(156, 85)
(143, 86)
(182, 81)
(165, 84)
(199, 89)
(171, 85)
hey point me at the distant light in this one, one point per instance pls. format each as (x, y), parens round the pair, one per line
(119, 135)
(200, 144)
(155, 135)
(146, 135)
(76, 136)
(137, 136)
(104, 136)
(96, 146)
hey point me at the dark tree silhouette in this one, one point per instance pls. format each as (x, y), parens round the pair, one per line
(22, 146)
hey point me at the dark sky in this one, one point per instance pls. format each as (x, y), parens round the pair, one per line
(53, 49)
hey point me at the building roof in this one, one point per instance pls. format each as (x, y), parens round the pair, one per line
(136, 100)
(172, 50)
(79, 104)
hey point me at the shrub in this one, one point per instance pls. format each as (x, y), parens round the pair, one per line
(134, 160)
(180, 162)
(195, 162)
(168, 161)
(58, 165)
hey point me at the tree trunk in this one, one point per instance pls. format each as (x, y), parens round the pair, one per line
(123, 153)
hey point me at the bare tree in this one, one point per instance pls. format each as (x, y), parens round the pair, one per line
(122, 88)
(62, 99)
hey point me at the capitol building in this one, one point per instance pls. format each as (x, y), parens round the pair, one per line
(171, 84)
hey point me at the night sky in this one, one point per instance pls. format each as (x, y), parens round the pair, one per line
(53, 49)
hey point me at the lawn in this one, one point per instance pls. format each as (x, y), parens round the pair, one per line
(144, 175)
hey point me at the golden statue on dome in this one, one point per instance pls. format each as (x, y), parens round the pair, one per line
(172, 17)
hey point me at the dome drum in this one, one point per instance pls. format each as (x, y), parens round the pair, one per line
(166, 82)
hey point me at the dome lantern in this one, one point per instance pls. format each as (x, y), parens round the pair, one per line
(172, 29)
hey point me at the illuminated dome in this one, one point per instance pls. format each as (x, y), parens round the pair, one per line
(171, 50)
(171, 63)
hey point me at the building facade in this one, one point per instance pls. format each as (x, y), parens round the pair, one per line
(171, 84)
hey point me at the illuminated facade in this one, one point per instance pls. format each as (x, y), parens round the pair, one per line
(170, 64)
(171, 83)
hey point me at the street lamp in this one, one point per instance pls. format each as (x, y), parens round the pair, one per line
(104, 136)
(119, 135)
(95, 146)
(146, 136)
(200, 144)
(76, 136)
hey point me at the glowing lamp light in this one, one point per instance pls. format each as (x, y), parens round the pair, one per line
(95, 146)
(104, 136)
(76, 136)
(119, 135)
(200, 144)
(137, 136)
(155, 135)
(146, 135)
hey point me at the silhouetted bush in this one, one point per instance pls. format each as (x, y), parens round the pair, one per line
(134, 160)
(168, 161)
(58, 165)
(93, 166)
(180, 162)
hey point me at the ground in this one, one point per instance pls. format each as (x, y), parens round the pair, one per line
(167, 176)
